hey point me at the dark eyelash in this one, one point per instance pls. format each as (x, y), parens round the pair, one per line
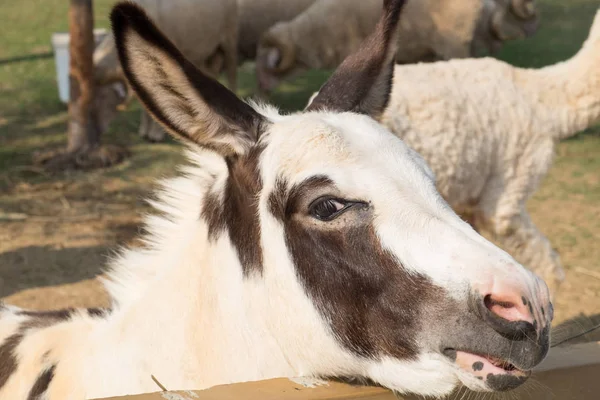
(325, 213)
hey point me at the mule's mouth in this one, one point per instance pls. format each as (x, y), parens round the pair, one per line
(497, 373)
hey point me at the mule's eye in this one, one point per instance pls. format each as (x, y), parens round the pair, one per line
(327, 208)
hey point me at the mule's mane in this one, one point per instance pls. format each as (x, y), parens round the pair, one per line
(177, 202)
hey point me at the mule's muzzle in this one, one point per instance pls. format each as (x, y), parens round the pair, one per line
(512, 329)
(519, 314)
(500, 338)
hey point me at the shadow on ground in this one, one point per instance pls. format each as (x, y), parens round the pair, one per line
(36, 266)
(51, 265)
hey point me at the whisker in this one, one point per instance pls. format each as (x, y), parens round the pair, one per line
(458, 395)
(585, 332)
(571, 328)
(533, 341)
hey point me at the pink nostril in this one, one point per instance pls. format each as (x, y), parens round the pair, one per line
(512, 308)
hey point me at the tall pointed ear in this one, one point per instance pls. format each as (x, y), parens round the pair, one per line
(363, 82)
(188, 104)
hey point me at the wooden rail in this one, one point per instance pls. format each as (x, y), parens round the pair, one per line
(568, 373)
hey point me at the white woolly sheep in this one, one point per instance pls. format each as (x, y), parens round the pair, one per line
(325, 33)
(489, 130)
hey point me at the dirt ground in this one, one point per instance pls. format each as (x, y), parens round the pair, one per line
(58, 236)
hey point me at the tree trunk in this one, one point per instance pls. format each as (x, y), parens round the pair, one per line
(83, 132)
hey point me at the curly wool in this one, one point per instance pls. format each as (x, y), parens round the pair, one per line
(489, 130)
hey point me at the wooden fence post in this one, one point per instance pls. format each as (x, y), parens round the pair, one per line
(83, 132)
(84, 125)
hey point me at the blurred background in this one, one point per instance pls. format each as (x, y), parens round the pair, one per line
(58, 226)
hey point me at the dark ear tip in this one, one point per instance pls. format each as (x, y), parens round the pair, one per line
(393, 4)
(126, 13)
(393, 7)
(126, 9)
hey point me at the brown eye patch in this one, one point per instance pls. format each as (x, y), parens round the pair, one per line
(359, 287)
(283, 202)
(316, 197)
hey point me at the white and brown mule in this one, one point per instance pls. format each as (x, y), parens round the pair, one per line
(312, 244)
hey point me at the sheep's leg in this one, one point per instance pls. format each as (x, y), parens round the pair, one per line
(519, 236)
(149, 129)
(214, 64)
(220, 60)
(231, 63)
(229, 45)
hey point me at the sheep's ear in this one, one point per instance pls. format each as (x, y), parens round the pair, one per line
(363, 82)
(189, 104)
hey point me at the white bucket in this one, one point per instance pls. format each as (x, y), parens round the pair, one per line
(60, 43)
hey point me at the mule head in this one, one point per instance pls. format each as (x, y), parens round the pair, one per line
(354, 264)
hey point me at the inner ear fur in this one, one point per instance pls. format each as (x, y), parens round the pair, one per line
(188, 104)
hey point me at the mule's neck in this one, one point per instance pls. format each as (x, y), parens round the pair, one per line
(184, 304)
(199, 323)
(186, 313)
(568, 93)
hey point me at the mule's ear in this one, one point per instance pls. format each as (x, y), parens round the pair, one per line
(189, 104)
(363, 82)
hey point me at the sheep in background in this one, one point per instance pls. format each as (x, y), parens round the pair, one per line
(321, 36)
(489, 130)
(257, 16)
(501, 21)
(205, 31)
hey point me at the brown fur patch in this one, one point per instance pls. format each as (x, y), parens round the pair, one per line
(57, 315)
(37, 320)
(8, 359)
(236, 212)
(358, 286)
(41, 384)
(44, 319)
(97, 312)
(277, 199)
